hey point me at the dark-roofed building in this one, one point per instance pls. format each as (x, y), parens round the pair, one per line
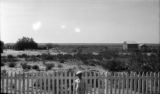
(130, 46)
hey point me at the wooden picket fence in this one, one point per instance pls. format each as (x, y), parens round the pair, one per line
(95, 83)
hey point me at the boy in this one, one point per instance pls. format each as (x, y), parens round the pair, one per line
(80, 83)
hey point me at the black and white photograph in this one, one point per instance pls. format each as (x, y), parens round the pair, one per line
(80, 46)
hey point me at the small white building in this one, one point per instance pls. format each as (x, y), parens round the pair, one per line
(130, 46)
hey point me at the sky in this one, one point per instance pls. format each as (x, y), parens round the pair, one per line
(80, 21)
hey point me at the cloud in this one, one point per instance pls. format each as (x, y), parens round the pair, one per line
(77, 30)
(63, 26)
(36, 26)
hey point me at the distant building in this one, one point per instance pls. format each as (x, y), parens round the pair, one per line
(143, 47)
(130, 46)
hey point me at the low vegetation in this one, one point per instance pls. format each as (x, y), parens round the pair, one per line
(108, 59)
(25, 66)
(35, 67)
(60, 66)
(12, 64)
(49, 66)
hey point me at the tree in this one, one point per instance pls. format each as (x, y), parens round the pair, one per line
(26, 43)
(2, 45)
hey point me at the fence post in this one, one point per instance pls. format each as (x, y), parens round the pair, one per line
(23, 78)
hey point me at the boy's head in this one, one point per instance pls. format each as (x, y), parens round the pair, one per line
(79, 74)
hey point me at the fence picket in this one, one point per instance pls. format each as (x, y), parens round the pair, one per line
(69, 84)
(15, 80)
(53, 85)
(73, 75)
(154, 83)
(127, 84)
(61, 83)
(119, 84)
(139, 84)
(114, 83)
(45, 83)
(151, 82)
(27, 81)
(11, 83)
(135, 83)
(143, 88)
(131, 84)
(2, 83)
(94, 85)
(158, 85)
(57, 85)
(65, 82)
(19, 82)
(49, 83)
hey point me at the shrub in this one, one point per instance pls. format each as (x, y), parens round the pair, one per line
(70, 70)
(48, 57)
(12, 64)
(49, 66)
(23, 56)
(85, 62)
(10, 56)
(36, 67)
(114, 66)
(2, 64)
(62, 61)
(59, 66)
(25, 66)
(32, 58)
(1, 47)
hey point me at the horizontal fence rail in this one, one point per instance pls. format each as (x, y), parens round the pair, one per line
(95, 83)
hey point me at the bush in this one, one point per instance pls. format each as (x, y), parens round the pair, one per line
(49, 66)
(62, 61)
(2, 45)
(114, 66)
(25, 66)
(32, 58)
(70, 70)
(2, 64)
(36, 67)
(12, 64)
(10, 56)
(59, 66)
(6, 59)
(23, 56)
(47, 57)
